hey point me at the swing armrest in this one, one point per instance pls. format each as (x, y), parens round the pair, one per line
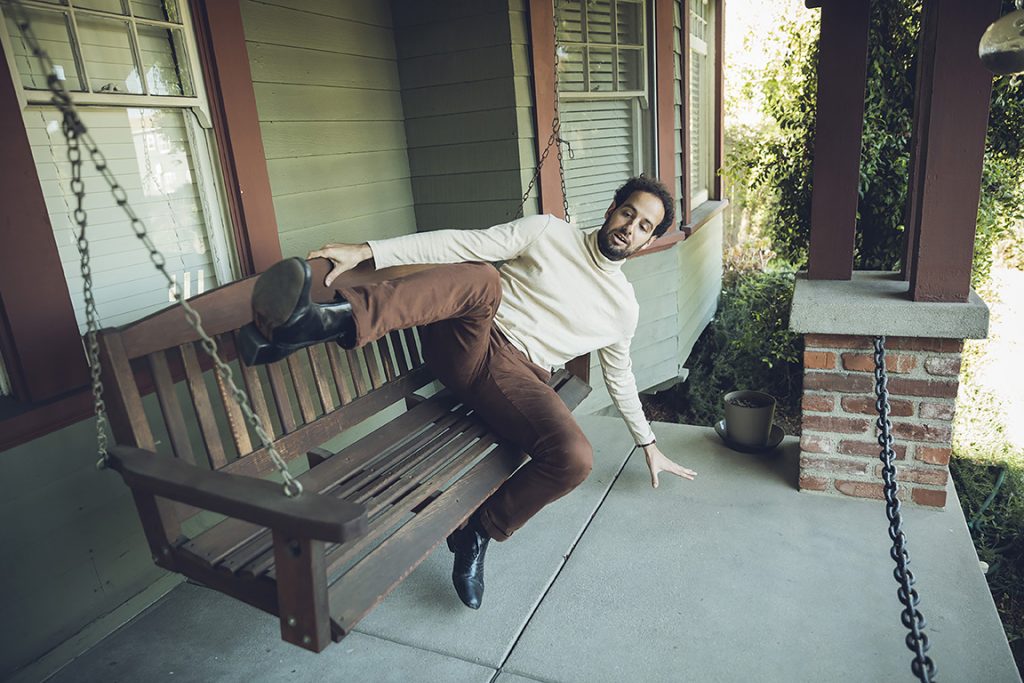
(258, 501)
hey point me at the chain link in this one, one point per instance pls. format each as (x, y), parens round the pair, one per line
(77, 135)
(917, 640)
(555, 139)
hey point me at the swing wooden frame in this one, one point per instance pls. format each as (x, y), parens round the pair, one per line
(369, 513)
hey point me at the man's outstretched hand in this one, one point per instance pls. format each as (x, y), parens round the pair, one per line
(657, 462)
(343, 257)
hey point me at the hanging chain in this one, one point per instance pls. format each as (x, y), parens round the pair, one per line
(917, 639)
(554, 139)
(77, 134)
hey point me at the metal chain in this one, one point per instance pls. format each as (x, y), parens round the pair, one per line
(917, 639)
(77, 134)
(554, 139)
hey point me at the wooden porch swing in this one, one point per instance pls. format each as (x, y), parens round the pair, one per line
(324, 551)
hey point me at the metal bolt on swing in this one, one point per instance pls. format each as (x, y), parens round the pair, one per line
(917, 640)
(76, 134)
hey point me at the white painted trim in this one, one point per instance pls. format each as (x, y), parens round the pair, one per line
(208, 186)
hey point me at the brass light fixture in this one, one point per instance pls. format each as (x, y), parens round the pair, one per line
(1002, 46)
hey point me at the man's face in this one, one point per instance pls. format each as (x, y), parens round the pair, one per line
(628, 228)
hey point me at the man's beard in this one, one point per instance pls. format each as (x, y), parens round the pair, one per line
(609, 247)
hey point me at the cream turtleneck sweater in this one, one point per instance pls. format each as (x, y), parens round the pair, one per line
(561, 297)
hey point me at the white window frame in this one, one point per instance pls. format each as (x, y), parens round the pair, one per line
(703, 155)
(585, 45)
(642, 123)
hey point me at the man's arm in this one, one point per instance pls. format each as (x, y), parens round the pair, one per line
(501, 242)
(617, 367)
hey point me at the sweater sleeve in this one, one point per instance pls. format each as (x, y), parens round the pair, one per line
(617, 367)
(501, 242)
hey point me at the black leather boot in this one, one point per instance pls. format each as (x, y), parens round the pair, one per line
(286, 320)
(469, 545)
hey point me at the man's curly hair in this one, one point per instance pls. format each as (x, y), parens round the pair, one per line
(651, 186)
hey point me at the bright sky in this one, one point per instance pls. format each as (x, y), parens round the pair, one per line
(749, 25)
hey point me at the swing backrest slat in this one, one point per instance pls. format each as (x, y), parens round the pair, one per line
(299, 383)
(321, 377)
(282, 402)
(171, 408)
(254, 389)
(203, 405)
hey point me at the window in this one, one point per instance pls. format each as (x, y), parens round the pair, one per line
(131, 66)
(702, 98)
(604, 99)
(132, 47)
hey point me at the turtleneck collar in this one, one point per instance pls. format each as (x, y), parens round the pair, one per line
(599, 259)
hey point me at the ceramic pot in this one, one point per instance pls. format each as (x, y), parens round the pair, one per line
(749, 416)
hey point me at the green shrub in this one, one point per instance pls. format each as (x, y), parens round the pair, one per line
(748, 345)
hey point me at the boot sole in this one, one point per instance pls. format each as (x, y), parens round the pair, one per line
(277, 294)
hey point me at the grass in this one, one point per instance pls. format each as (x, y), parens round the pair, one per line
(988, 466)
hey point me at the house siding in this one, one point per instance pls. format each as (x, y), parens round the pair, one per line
(327, 88)
(465, 75)
(76, 551)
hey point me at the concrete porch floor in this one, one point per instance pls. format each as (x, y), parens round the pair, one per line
(735, 576)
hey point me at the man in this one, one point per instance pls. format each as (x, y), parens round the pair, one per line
(491, 336)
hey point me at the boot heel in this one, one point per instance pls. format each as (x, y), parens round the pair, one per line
(451, 544)
(254, 349)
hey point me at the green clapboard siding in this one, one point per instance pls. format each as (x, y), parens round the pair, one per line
(329, 100)
(466, 93)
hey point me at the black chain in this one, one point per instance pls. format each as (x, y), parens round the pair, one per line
(917, 639)
(554, 139)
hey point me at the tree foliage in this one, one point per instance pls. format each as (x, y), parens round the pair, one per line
(775, 163)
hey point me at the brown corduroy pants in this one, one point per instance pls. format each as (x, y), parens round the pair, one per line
(454, 305)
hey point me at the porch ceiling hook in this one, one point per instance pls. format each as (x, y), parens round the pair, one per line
(1001, 48)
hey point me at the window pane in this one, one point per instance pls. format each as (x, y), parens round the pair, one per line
(629, 23)
(630, 71)
(53, 32)
(163, 58)
(602, 79)
(106, 48)
(570, 21)
(599, 21)
(150, 153)
(113, 6)
(571, 69)
(699, 19)
(162, 10)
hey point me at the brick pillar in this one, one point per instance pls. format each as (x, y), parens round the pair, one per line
(839, 449)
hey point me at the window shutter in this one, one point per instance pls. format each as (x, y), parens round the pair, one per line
(602, 135)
